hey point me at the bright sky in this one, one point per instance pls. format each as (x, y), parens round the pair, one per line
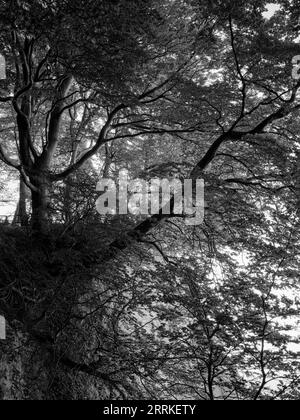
(271, 9)
(11, 195)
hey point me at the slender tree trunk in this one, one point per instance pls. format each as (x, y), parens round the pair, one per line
(68, 199)
(68, 186)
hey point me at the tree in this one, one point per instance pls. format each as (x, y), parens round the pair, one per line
(49, 48)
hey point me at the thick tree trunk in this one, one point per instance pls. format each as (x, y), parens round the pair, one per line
(21, 216)
(40, 206)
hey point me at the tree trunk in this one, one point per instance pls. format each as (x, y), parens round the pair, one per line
(39, 200)
(21, 216)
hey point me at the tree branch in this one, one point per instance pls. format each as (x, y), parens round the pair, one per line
(101, 140)
(142, 229)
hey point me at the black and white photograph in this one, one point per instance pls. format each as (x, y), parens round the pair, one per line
(149, 203)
